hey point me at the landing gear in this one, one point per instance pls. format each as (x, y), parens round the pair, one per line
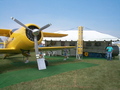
(5, 56)
(46, 62)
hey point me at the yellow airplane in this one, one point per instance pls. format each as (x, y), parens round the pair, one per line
(26, 39)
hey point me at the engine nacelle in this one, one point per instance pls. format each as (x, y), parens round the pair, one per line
(23, 39)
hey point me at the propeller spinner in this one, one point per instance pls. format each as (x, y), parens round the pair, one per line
(41, 62)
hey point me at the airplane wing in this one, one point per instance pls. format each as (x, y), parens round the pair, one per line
(5, 32)
(47, 34)
(54, 48)
(1, 42)
(6, 50)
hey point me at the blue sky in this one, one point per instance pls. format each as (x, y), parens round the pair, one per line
(99, 15)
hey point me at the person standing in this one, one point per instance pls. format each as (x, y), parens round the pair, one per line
(40, 54)
(109, 52)
(27, 55)
(66, 54)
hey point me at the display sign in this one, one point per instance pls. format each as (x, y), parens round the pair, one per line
(80, 40)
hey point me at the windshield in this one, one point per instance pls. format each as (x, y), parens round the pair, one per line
(14, 29)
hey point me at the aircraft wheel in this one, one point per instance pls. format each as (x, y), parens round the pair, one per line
(46, 62)
(4, 57)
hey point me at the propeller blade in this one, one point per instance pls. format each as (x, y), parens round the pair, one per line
(44, 27)
(20, 23)
(40, 62)
(36, 47)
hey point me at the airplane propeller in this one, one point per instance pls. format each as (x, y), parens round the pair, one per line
(35, 33)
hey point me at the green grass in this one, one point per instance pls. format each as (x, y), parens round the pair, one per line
(104, 76)
(14, 77)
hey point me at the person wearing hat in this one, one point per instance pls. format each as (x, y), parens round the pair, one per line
(109, 52)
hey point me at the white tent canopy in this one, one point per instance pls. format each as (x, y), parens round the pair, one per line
(88, 35)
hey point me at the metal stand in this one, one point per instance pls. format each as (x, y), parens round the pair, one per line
(78, 56)
(23, 59)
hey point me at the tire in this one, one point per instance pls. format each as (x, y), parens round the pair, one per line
(46, 63)
(86, 54)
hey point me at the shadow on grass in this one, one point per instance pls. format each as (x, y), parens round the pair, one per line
(15, 63)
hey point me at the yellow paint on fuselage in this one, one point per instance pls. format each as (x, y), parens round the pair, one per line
(18, 40)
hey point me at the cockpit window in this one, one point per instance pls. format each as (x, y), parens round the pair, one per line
(14, 29)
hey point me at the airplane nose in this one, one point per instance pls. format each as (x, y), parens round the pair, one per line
(30, 35)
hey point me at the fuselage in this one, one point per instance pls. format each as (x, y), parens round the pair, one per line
(23, 39)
